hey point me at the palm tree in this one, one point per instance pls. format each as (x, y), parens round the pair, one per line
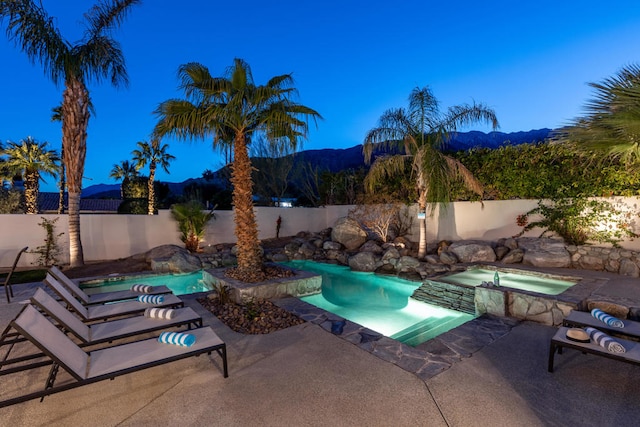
(612, 121)
(418, 135)
(156, 155)
(192, 222)
(124, 172)
(30, 158)
(96, 57)
(232, 109)
(56, 116)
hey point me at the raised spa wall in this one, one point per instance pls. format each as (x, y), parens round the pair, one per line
(508, 302)
(305, 283)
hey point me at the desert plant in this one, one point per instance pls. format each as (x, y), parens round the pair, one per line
(192, 221)
(579, 220)
(379, 219)
(50, 250)
(11, 201)
(223, 291)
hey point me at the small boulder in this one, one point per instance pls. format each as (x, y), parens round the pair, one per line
(184, 263)
(371, 246)
(363, 261)
(513, 257)
(331, 246)
(390, 254)
(278, 257)
(307, 250)
(545, 253)
(501, 251)
(164, 251)
(291, 249)
(473, 251)
(407, 263)
(448, 258)
(348, 232)
(629, 268)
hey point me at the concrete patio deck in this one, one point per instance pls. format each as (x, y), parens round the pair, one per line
(305, 376)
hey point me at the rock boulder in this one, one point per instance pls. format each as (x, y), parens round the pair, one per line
(473, 251)
(348, 232)
(363, 261)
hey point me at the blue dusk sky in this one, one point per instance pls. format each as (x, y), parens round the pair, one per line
(351, 60)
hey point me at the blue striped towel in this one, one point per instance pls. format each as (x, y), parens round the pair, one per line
(143, 289)
(151, 299)
(607, 318)
(605, 341)
(159, 313)
(177, 338)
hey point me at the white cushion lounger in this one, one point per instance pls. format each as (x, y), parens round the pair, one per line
(583, 318)
(560, 341)
(112, 330)
(100, 312)
(108, 363)
(103, 297)
(96, 333)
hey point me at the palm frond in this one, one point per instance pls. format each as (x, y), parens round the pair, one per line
(29, 26)
(384, 167)
(106, 16)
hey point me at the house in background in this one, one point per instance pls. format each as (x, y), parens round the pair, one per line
(48, 204)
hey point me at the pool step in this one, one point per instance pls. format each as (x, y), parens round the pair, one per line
(455, 297)
(428, 329)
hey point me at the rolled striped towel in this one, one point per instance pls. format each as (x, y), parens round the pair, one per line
(605, 341)
(143, 289)
(607, 318)
(177, 338)
(151, 299)
(159, 313)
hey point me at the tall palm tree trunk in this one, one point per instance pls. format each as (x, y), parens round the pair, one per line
(249, 257)
(75, 118)
(31, 192)
(61, 184)
(152, 194)
(422, 208)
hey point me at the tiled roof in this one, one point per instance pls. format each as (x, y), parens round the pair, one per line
(48, 202)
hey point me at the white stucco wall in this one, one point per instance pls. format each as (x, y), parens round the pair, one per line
(117, 236)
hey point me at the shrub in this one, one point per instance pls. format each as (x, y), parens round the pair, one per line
(580, 220)
(50, 250)
(192, 221)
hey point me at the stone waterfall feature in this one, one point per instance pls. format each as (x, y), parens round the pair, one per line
(455, 297)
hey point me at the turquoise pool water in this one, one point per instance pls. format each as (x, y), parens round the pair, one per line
(525, 282)
(380, 303)
(180, 284)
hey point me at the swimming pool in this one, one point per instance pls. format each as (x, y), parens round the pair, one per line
(380, 303)
(180, 284)
(525, 281)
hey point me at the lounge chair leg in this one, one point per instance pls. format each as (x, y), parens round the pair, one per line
(552, 350)
(51, 378)
(224, 361)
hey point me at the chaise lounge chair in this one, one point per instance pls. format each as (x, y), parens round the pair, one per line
(96, 333)
(582, 318)
(108, 363)
(103, 297)
(560, 341)
(101, 312)
(116, 329)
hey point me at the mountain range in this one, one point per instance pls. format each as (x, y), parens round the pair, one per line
(337, 159)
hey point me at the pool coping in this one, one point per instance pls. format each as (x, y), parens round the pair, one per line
(426, 360)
